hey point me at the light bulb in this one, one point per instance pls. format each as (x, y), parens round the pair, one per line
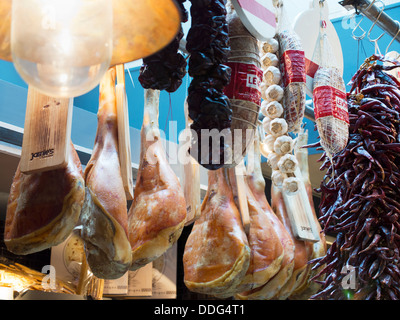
(62, 47)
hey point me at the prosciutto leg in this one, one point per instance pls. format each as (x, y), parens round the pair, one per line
(302, 251)
(104, 216)
(217, 254)
(266, 250)
(158, 212)
(44, 207)
(319, 248)
(256, 184)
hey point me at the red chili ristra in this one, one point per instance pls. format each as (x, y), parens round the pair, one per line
(360, 193)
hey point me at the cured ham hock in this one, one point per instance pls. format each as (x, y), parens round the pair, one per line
(158, 212)
(43, 208)
(217, 253)
(104, 217)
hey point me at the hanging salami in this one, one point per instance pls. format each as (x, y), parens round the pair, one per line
(330, 104)
(243, 91)
(292, 65)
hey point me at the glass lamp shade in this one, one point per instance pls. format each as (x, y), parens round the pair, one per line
(140, 28)
(62, 47)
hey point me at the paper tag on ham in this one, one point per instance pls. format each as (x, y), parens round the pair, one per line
(245, 82)
(293, 66)
(329, 101)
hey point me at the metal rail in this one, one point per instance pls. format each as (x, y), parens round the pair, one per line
(309, 112)
(375, 14)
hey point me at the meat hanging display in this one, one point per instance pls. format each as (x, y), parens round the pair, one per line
(217, 253)
(209, 108)
(43, 208)
(158, 211)
(104, 219)
(360, 197)
(359, 208)
(165, 69)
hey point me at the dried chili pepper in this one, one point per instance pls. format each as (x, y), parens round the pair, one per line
(360, 193)
(165, 69)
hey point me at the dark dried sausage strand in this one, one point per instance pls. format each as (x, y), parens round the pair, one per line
(209, 108)
(165, 69)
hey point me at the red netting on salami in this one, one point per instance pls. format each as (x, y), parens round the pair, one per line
(293, 62)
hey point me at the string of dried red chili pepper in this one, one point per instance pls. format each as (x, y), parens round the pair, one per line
(360, 193)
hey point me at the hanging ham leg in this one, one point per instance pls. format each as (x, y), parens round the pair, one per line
(256, 184)
(319, 248)
(104, 215)
(44, 207)
(302, 251)
(216, 255)
(266, 250)
(158, 211)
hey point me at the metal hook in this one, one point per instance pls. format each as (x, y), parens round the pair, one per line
(370, 5)
(375, 41)
(395, 36)
(362, 36)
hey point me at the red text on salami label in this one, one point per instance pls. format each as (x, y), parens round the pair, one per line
(245, 82)
(329, 101)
